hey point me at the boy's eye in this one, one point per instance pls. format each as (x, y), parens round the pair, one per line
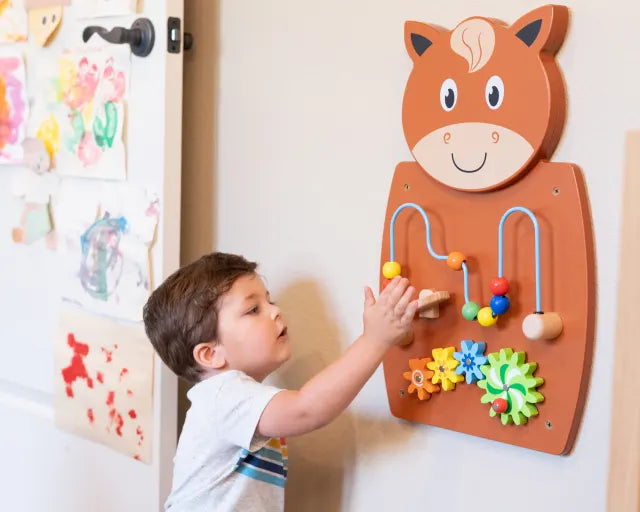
(253, 310)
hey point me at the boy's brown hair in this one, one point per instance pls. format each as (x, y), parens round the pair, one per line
(183, 311)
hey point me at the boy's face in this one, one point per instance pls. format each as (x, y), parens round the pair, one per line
(251, 330)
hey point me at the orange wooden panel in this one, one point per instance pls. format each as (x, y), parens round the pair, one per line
(469, 223)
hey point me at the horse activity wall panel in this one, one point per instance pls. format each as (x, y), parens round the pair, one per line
(496, 238)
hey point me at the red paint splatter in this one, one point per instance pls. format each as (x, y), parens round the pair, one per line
(90, 415)
(110, 398)
(116, 418)
(132, 414)
(129, 392)
(108, 353)
(76, 369)
(140, 435)
(137, 457)
(123, 372)
(100, 377)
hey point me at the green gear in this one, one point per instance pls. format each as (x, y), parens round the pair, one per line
(510, 378)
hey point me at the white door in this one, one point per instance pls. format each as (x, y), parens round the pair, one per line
(43, 468)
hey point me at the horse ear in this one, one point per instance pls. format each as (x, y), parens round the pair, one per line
(418, 38)
(543, 29)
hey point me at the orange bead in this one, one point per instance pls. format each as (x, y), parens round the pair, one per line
(455, 259)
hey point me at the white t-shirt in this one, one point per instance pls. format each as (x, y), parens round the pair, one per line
(221, 464)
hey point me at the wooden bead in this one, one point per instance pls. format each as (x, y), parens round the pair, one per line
(470, 311)
(500, 405)
(499, 304)
(391, 269)
(499, 286)
(542, 326)
(486, 318)
(455, 260)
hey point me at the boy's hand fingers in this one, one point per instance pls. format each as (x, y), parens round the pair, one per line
(397, 292)
(410, 312)
(369, 299)
(401, 306)
(388, 289)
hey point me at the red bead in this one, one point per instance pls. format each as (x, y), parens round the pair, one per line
(499, 286)
(500, 405)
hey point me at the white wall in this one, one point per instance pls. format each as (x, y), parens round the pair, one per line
(306, 134)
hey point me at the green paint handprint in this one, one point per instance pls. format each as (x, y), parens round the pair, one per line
(104, 132)
(77, 131)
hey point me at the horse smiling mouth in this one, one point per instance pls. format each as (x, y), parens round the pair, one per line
(467, 170)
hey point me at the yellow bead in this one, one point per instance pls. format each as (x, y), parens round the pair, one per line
(486, 317)
(455, 260)
(391, 269)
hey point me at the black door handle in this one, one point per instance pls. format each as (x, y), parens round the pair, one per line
(140, 37)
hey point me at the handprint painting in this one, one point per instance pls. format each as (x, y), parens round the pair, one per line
(81, 117)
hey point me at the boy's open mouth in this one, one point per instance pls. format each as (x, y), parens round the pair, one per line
(283, 333)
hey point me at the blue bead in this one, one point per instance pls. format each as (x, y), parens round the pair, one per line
(499, 304)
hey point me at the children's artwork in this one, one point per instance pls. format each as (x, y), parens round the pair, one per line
(13, 21)
(43, 23)
(97, 8)
(104, 382)
(80, 113)
(106, 240)
(13, 106)
(37, 4)
(35, 184)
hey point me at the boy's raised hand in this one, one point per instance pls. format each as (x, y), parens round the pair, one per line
(388, 319)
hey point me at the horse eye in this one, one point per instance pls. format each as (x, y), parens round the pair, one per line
(494, 92)
(448, 94)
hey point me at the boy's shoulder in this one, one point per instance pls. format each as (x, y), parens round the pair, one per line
(229, 380)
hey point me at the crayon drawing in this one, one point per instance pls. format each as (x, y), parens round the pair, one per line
(106, 245)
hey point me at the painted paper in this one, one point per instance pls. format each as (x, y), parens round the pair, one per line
(103, 387)
(80, 113)
(43, 23)
(35, 185)
(37, 4)
(13, 21)
(13, 107)
(97, 8)
(106, 241)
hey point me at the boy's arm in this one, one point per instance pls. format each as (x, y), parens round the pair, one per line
(326, 395)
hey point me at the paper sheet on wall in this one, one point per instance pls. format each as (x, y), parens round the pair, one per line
(97, 8)
(35, 184)
(104, 382)
(13, 21)
(44, 23)
(38, 4)
(14, 106)
(80, 111)
(105, 237)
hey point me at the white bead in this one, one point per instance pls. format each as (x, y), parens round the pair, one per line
(542, 326)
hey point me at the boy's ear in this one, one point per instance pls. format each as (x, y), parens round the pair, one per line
(210, 355)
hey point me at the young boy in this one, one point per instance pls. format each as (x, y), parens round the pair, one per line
(213, 322)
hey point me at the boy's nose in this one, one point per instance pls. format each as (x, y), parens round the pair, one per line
(275, 312)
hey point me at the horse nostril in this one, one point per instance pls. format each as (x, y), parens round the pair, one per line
(447, 137)
(495, 136)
